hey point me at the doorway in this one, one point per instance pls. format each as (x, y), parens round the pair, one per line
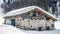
(13, 22)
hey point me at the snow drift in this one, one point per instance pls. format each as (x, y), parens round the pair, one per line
(8, 29)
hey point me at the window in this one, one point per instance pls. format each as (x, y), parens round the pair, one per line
(29, 16)
(52, 25)
(42, 17)
(34, 14)
(47, 18)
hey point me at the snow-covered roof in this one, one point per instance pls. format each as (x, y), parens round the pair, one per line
(26, 9)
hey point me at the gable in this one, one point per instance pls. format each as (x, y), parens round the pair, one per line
(40, 12)
(33, 15)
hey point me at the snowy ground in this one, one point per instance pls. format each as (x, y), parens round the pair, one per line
(8, 29)
(43, 32)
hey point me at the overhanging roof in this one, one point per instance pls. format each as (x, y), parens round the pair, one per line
(27, 9)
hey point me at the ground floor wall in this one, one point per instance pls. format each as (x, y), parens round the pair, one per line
(31, 24)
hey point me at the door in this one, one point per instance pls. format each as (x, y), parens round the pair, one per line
(13, 22)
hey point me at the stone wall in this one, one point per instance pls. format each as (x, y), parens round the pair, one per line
(31, 23)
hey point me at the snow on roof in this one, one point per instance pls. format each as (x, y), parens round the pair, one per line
(26, 9)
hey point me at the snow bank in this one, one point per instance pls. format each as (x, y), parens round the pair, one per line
(1, 19)
(57, 25)
(7, 29)
(43, 32)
